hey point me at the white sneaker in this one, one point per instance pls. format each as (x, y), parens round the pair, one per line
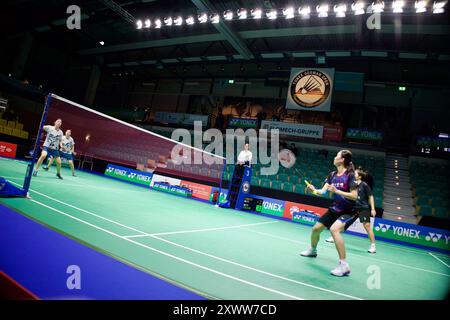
(341, 270)
(372, 249)
(309, 253)
(330, 240)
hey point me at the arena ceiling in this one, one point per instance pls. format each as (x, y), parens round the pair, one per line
(264, 43)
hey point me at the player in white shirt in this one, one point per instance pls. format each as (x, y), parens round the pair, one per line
(51, 145)
(67, 151)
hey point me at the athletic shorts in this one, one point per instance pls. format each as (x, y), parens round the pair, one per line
(51, 152)
(67, 156)
(364, 216)
(331, 216)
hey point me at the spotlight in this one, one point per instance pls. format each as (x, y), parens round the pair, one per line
(178, 21)
(139, 24)
(215, 18)
(203, 18)
(358, 8)
(438, 7)
(168, 21)
(256, 13)
(304, 11)
(340, 10)
(147, 23)
(242, 14)
(272, 14)
(397, 6)
(420, 6)
(288, 13)
(102, 43)
(228, 15)
(158, 23)
(190, 20)
(378, 7)
(322, 10)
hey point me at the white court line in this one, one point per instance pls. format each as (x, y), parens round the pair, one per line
(88, 212)
(354, 254)
(257, 270)
(112, 221)
(439, 259)
(172, 256)
(201, 230)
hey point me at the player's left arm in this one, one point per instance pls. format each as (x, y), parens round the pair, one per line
(352, 195)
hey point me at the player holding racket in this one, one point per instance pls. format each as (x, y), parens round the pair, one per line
(341, 212)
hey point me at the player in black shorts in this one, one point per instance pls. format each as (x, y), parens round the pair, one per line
(341, 213)
(365, 205)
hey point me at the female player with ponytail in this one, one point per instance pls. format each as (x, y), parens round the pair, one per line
(341, 213)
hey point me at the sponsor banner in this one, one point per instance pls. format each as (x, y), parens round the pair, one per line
(291, 208)
(8, 149)
(305, 217)
(332, 133)
(264, 205)
(414, 234)
(310, 89)
(180, 118)
(199, 191)
(433, 142)
(128, 174)
(294, 129)
(177, 190)
(364, 134)
(243, 123)
(164, 179)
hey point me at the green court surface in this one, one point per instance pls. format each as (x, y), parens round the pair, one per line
(220, 253)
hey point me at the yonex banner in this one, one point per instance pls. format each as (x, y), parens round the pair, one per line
(8, 149)
(310, 89)
(180, 118)
(364, 134)
(410, 233)
(128, 174)
(294, 129)
(305, 217)
(269, 206)
(177, 190)
(242, 123)
(291, 208)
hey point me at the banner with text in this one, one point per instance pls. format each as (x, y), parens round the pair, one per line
(294, 129)
(180, 118)
(127, 174)
(8, 149)
(310, 89)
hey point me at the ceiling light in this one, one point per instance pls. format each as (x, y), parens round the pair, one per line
(358, 8)
(288, 13)
(242, 14)
(228, 15)
(272, 14)
(340, 10)
(203, 18)
(322, 10)
(256, 13)
(420, 6)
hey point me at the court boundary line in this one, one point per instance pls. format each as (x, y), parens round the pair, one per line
(123, 237)
(170, 255)
(200, 230)
(354, 254)
(448, 266)
(256, 270)
(268, 234)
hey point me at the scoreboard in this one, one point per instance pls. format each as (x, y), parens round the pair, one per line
(252, 204)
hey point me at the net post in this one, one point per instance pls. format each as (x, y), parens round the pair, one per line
(26, 184)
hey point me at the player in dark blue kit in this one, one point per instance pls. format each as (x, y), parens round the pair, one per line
(341, 183)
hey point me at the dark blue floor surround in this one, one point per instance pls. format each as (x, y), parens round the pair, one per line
(37, 258)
